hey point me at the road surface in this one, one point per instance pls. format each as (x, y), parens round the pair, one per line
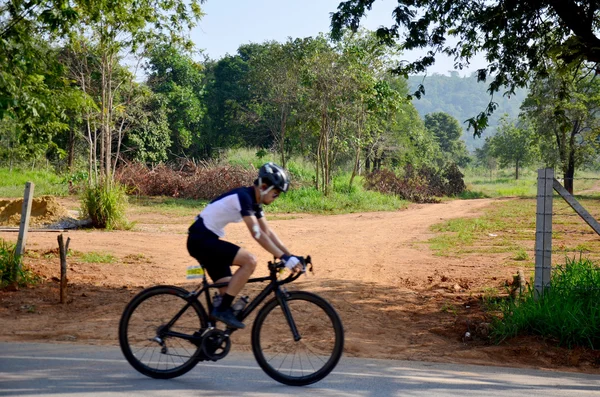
(93, 371)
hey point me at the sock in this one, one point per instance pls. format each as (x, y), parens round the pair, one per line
(226, 302)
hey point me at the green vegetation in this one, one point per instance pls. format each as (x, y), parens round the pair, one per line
(11, 271)
(105, 206)
(567, 312)
(358, 200)
(499, 229)
(47, 182)
(97, 257)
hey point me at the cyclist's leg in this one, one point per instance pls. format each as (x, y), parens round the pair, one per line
(247, 264)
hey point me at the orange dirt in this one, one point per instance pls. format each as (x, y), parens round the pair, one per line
(44, 210)
(395, 297)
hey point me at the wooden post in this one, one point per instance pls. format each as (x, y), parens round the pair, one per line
(64, 249)
(543, 228)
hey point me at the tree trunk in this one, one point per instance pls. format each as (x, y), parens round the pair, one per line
(282, 134)
(517, 170)
(569, 160)
(71, 154)
(358, 149)
(570, 172)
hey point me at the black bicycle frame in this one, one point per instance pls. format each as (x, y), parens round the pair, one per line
(273, 286)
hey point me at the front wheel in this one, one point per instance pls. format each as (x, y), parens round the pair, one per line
(158, 330)
(308, 360)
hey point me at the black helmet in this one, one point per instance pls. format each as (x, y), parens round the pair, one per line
(274, 175)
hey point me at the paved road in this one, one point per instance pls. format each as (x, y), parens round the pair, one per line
(92, 371)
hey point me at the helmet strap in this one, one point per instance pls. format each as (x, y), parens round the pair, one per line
(265, 191)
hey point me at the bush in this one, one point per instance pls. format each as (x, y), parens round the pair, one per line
(421, 185)
(11, 271)
(105, 205)
(190, 180)
(568, 312)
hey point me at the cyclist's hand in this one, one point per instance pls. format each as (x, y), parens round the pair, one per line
(293, 262)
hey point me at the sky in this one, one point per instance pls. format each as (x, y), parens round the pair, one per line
(230, 23)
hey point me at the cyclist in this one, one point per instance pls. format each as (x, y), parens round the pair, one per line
(217, 256)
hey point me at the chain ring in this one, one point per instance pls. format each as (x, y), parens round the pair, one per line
(215, 344)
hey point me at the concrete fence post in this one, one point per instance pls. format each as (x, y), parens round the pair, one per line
(543, 230)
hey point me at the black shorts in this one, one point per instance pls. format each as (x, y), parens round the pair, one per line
(214, 254)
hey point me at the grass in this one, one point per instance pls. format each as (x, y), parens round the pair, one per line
(509, 227)
(12, 183)
(502, 183)
(97, 257)
(306, 200)
(11, 269)
(168, 205)
(105, 205)
(567, 312)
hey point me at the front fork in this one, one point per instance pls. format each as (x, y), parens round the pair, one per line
(282, 297)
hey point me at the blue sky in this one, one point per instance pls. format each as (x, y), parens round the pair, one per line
(230, 23)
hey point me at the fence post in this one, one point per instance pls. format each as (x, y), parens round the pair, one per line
(543, 230)
(24, 224)
(64, 250)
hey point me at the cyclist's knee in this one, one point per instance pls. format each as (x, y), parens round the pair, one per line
(246, 260)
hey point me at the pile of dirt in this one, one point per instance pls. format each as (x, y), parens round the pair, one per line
(44, 210)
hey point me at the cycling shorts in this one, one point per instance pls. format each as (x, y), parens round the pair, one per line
(215, 255)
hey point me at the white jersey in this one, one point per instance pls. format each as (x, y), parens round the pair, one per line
(230, 207)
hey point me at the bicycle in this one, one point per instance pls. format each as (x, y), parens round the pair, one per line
(165, 331)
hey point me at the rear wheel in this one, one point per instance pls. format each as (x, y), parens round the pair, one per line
(152, 345)
(308, 360)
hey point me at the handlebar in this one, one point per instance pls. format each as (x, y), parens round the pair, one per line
(278, 265)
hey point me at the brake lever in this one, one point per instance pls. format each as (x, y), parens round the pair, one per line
(308, 262)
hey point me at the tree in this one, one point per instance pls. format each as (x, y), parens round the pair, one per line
(149, 135)
(36, 98)
(447, 131)
(514, 144)
(227, 97)
(274, 80)
(179, 83)
(115, 28)
(517, 37)
(485, 158)
(564, 109)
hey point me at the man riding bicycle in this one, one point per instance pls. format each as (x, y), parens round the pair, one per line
(217, 256)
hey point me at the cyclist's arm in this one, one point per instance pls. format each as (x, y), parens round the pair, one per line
(262, 237)
(274, 238)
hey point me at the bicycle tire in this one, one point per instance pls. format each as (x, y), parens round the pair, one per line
(322, 337)
(141, 322)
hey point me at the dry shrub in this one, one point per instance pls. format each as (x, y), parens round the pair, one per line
(188, 180)
(419, 186)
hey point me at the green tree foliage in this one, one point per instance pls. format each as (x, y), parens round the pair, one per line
(149, 137)
(114, 29)
(563, 108)
(35, 96)
(274, 77)
(514, 145)
(447, 132)
(226, 98)
(334, 104)
(179, 83)
(485, 158)
(517, 37)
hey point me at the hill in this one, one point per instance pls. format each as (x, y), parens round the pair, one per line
(463, 98)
